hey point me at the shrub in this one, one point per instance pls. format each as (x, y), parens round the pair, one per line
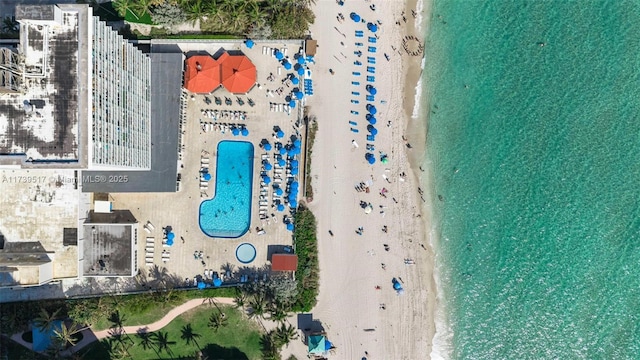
(307, 275)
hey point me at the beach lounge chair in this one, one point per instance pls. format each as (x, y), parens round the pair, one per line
(371, 60)
(353, 123)
(359, 44)
(355, 102)
(371, 78)
(355, 83)
(370, 147)
(354, 112)
(357, 63)
(371, 98)
(355, 93)
(359, 32)
(354, 130)
(355, 73)
(371, 137)
(359, 35)
(371, 69)
(372, 39)
(358, 53)
(372, 49)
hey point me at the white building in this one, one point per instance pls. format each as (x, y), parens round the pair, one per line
(74, 94)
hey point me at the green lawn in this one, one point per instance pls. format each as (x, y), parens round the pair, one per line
(137, 18)
(239, 340)
(145, 309)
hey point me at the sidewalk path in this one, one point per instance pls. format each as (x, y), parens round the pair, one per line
(89, 336)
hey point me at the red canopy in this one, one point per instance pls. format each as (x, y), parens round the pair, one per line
(202, 74)
(238, 74)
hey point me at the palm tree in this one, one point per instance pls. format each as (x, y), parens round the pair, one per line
(123, 6)
(255, 17)
(189, 336)
(285, 333)
(240, 299)
(45, 321)
(270, 349)
(196, 10)
(238, 19)
(146, 340)
(141, 7)
(258, 307)
(66, 334)
(10, 25)
(277, 312)
(213, 10)
(217, 320)
(161, 340)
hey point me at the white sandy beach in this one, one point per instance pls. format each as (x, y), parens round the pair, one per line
(351, 264)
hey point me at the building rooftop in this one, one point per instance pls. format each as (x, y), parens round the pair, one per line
(41, 121)
(284, 262)
(166, 92)
(107, 249)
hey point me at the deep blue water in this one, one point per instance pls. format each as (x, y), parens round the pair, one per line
(535, 152)
(228, 214)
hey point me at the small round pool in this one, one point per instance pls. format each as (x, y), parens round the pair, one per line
(245, 253)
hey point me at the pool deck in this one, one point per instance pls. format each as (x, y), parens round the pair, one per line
(180, 210)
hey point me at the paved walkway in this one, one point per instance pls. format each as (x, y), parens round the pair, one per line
(89, 336)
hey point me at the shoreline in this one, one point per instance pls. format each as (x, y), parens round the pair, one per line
(358, 319)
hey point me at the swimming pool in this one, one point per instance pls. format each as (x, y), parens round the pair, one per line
(228, 213)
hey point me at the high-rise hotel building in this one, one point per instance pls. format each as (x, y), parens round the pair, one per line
(73, 94)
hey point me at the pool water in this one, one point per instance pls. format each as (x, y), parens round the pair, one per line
(228, 213)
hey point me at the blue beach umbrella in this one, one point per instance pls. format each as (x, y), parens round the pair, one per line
(372, 27)
(268, 166)
(287, 65)
(371, 90)
(266, 179)
(249, 43)
(201, 285)
(294, 171)
(283, 150)
(279, 191)
(280, 135)
(290, 225)
(297, 143)
(371, 119)
(207, 177)
(280, 207)
(217, 282)
(301, 60)
(170, 242)
(292, 104)
(295, 185)
(299, 94)
(295, 81)
(279, 55)
(267, 146)
(235, 131)
(281, 162)
(171, 236)
(294, 163)
(301, 71)
(355, 17)
(245, 132)
(372, 129)
(371, 109)
(293, 203)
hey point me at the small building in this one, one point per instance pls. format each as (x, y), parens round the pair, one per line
(318, 345)
(109, 244)
(284, 262)
(310, 47)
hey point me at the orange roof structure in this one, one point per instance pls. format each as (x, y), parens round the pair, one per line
(237, 73)
(284, 262)
(202, 74)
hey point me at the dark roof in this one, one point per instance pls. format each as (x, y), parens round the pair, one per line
(166, 85)
(70, 236)
(114, 217)
(284, 262)
(310, 47)
(107, 250)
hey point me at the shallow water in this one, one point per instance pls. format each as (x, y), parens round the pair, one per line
(535, 153)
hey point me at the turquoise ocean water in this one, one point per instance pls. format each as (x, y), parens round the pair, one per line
(536, 154)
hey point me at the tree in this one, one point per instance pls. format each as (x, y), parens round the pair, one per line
(189, 336)
(141, 7)
(123, 6)
(45, 320)
(196, 11)
(240, 299)
(147, 342)
(10, 25)
(269, 347)
(255, 16)
(217, 320)
(277, 311)
(282, 289)
(168, 14)
(66, 334)
(161, 340)
(285, 333)
(258, 307)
